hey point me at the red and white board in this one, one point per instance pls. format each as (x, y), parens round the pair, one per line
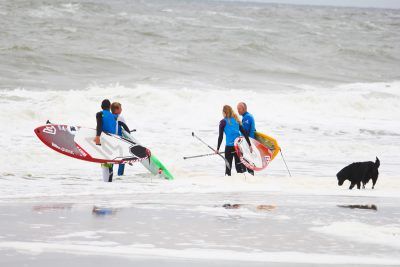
(78, 142)
(255, 160)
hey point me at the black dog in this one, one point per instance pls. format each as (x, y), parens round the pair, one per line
(359, 172)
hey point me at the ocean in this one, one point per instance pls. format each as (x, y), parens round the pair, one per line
(324, 81)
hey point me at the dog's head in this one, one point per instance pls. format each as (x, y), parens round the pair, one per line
(342, 176)
(340, 180)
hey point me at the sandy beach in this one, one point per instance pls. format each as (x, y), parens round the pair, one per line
(296, 229)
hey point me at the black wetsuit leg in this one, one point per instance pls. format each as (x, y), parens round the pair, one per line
(110, 173)
(230, 154)
(240, 168)
(229, 158)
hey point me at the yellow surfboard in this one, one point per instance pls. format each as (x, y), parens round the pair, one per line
(269, 142)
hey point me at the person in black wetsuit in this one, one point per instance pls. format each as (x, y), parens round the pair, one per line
(232, 127)
(106, 122)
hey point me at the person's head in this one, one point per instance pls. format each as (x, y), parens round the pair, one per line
(242, 108)
(106, 104)
(116, 108)
(228, 112)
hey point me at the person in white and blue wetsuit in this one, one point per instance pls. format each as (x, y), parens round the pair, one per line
(116, 109)
(106, 122)
(232, 128)
(248, 123)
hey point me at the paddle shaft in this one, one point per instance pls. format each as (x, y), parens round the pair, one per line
(200, 156)
(210, 147)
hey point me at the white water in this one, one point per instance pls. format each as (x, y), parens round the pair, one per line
(319, 130)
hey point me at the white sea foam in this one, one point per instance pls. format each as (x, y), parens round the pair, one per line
(387, 235)
(319, 130)
(198, 254)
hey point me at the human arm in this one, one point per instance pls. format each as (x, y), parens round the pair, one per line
(222, 125)
(124, 126)
(252, 128)
(246, 136)
(99, 127)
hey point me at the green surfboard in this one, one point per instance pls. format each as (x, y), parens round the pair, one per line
(153, 165)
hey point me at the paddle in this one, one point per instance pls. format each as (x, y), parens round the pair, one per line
(200, 156)
(219, 154)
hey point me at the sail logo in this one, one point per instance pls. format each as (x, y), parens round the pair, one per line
(50, 130)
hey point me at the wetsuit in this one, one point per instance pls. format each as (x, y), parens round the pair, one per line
(250, 128)
(249, 124)
(232, 130)
(106, 122)
(121, 125)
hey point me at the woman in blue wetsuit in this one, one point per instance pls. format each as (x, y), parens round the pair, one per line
(232, 127)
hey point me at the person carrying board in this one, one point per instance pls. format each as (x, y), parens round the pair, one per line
(116, 109)
(248, 123)
(247, 120)
(106, 122)
(232, 127)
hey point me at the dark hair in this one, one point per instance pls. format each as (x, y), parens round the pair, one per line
(106, 104)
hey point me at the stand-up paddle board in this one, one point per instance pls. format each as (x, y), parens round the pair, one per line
(269, 142)
(78, 142)
(255, 160)
(153, 165)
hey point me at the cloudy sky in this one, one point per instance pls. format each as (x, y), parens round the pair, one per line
(354, 3)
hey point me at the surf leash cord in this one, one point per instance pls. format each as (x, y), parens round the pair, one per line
(280, 150)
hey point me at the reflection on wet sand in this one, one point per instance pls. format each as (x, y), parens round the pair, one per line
(363, 207)
(248, 206)
(99, 211)
(50, 207)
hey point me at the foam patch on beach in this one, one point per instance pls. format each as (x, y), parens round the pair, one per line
(384, 235)
(136, 251)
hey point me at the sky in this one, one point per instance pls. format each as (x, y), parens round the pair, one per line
(353, 3)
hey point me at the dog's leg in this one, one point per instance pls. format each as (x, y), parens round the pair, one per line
(351, 186)
(358, 185)
(373, 184)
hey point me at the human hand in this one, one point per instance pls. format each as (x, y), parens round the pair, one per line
(97, 140)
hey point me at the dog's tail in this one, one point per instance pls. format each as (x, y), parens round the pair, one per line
(377, 163)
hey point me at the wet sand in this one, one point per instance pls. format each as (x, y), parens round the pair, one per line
(196, 229)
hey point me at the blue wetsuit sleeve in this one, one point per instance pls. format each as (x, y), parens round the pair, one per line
(99, 123)
(252, 128)
(246, 124)
(222, 125)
